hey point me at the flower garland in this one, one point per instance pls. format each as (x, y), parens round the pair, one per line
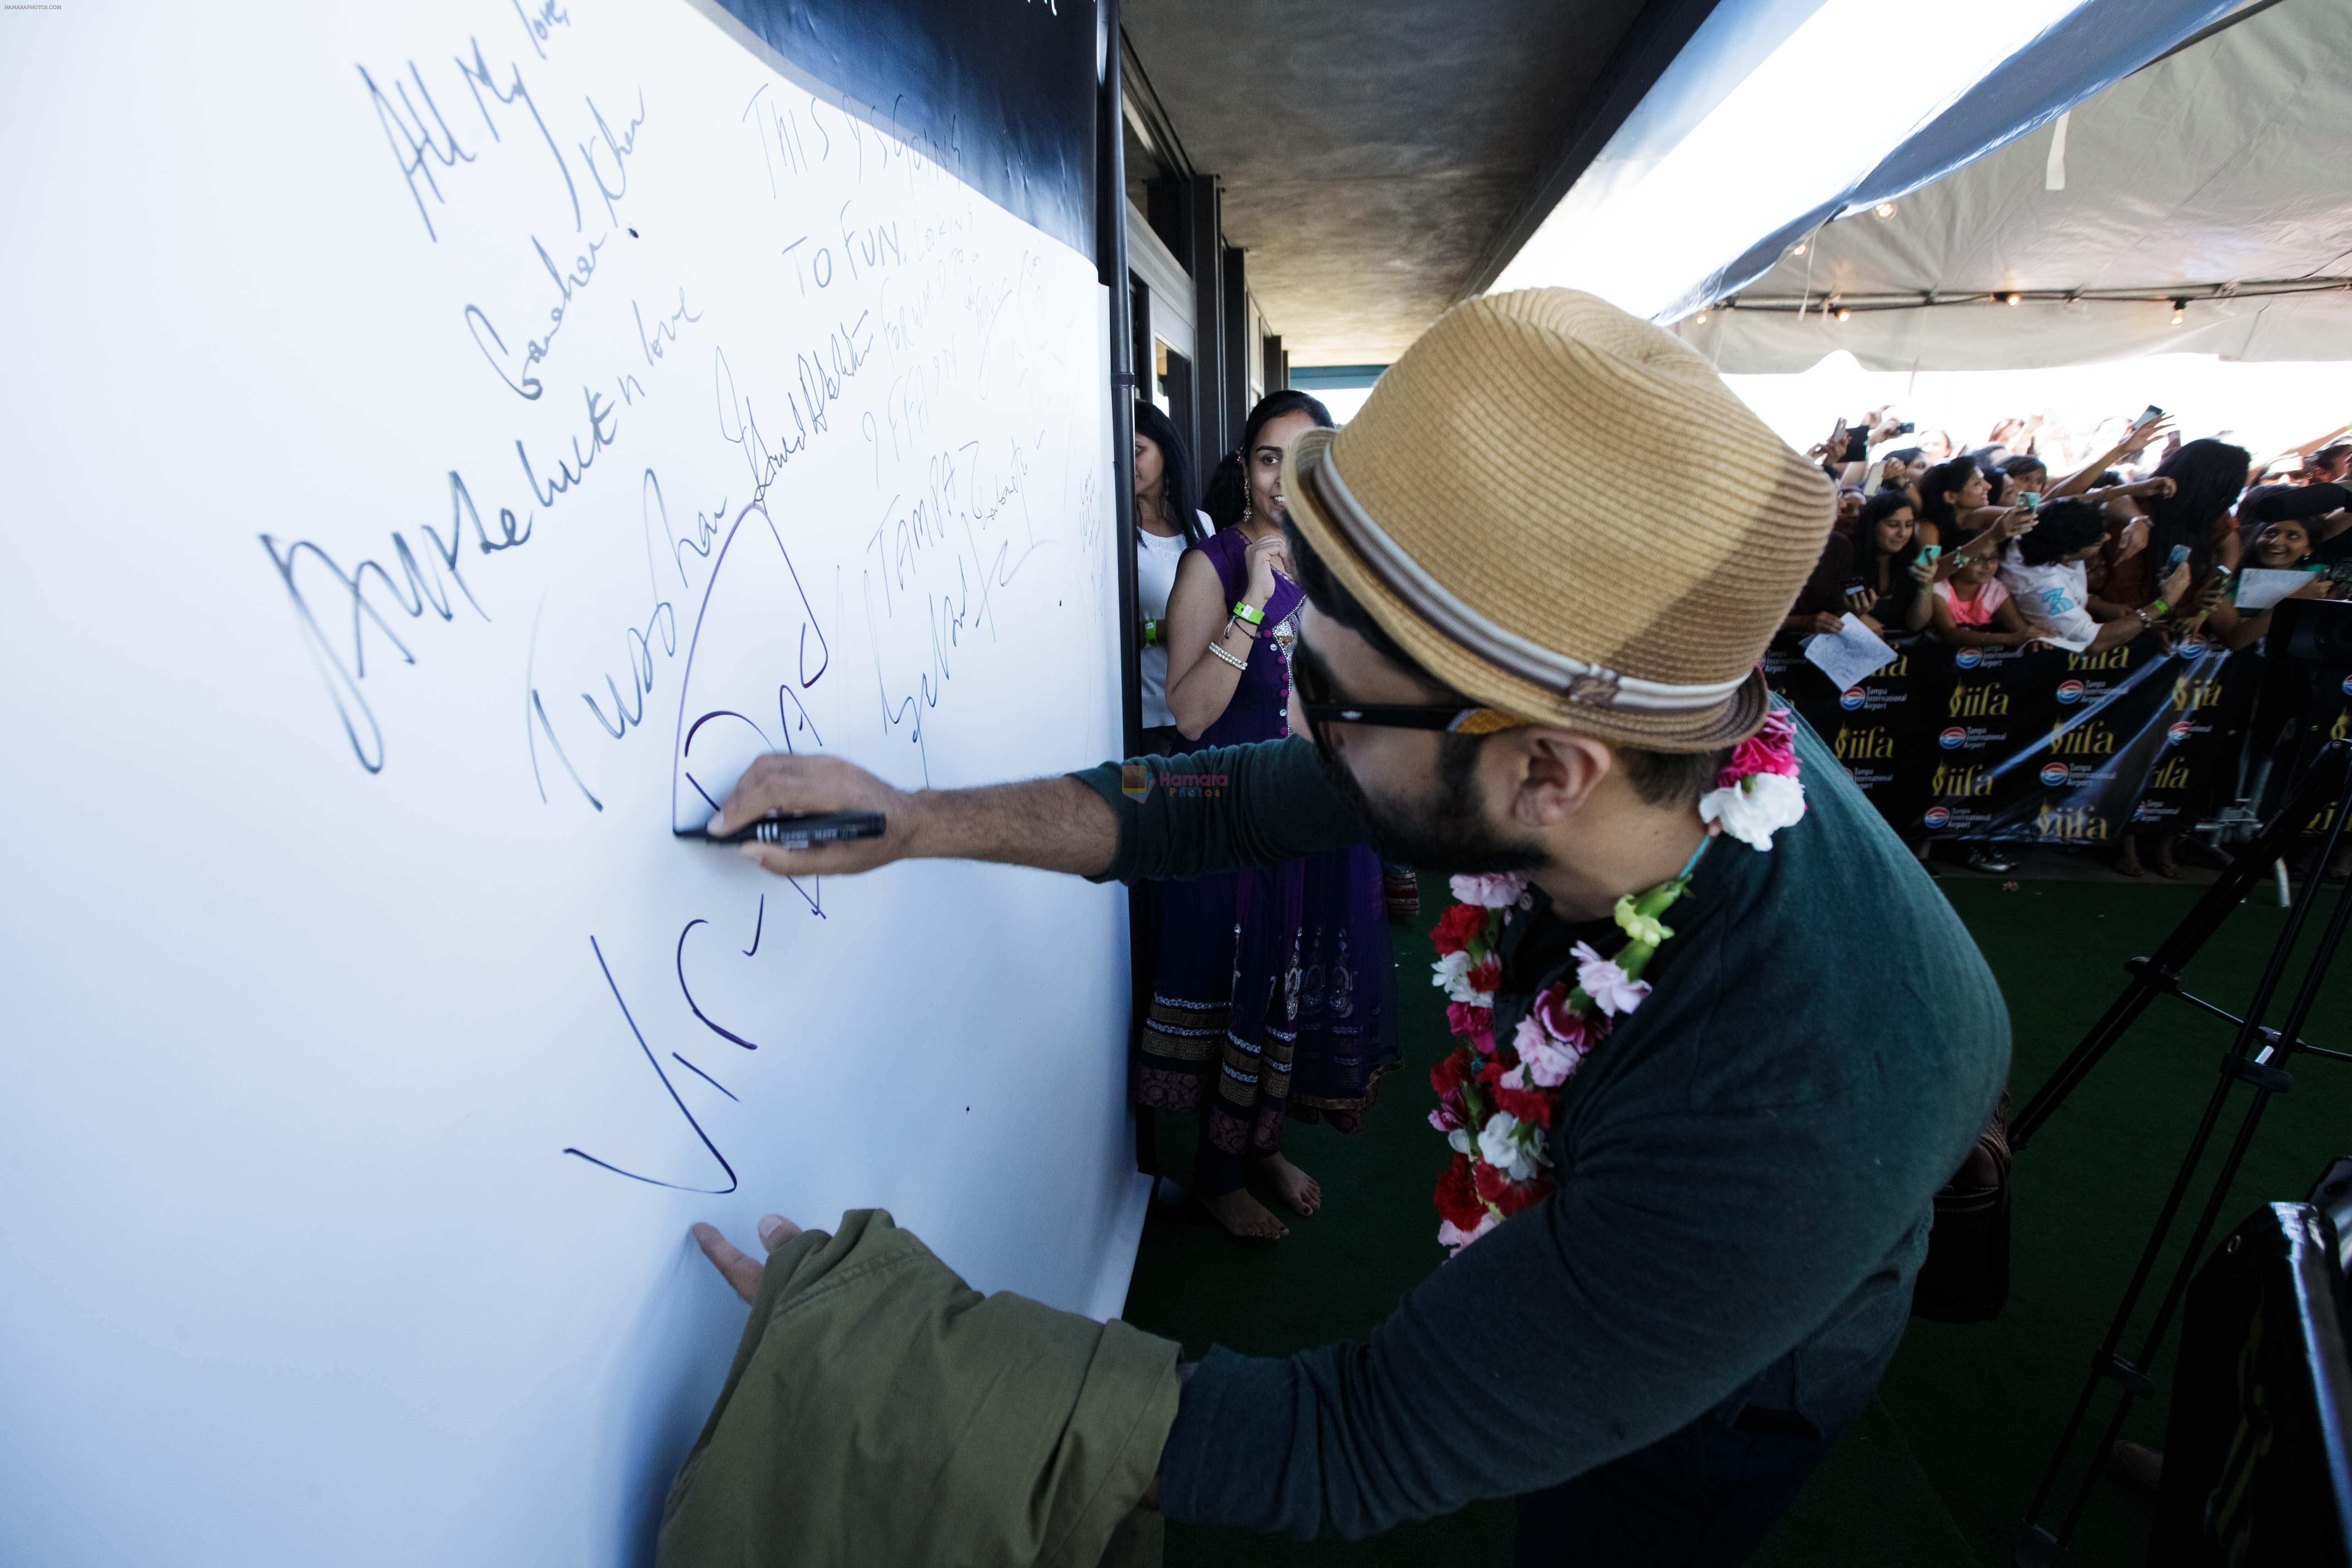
(1495, 1101)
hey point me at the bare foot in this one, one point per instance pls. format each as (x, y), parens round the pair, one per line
(1296, 1187)
(1244, 1216)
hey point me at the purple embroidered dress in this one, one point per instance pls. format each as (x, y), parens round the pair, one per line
(1275, 990)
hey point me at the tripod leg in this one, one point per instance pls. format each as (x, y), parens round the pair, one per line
(2040, 1543)
(2196, 928)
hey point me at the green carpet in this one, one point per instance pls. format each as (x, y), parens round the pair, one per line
(1941, 1468)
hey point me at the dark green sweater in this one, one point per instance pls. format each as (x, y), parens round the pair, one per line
(1747, 1167)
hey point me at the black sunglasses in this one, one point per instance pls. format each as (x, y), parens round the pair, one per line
(1319, 700)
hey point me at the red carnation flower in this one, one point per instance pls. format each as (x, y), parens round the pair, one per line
(1485, 974)
(1452, 1071)
(1458, 1197)
(1518, 1195)
(1527, 1104)
(1457, 928)
(1490, 1182)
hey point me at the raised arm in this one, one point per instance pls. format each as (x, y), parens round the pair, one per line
(2082, 479)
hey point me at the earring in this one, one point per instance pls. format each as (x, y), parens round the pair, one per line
(1246, 488)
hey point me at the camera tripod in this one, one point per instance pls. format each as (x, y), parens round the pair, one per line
(2257, 1057)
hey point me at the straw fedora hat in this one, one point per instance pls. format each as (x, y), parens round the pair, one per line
(1563, 514)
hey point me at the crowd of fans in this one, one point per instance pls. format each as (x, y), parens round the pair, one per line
(2042, 539)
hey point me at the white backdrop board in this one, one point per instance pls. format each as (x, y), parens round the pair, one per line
(442, 443)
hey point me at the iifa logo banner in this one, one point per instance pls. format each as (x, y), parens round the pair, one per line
(2035, 747)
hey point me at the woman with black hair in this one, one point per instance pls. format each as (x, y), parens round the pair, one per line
(2044, 573)
(2206, 477)
(1274, 995)
(1894, 596)
(1954, 502)
(1167, 524)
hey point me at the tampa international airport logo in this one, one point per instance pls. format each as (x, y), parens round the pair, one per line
(2054, 773)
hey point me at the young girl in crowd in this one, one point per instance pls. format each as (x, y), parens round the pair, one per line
(1167, 524)
(1973, 608)
(1275, 994)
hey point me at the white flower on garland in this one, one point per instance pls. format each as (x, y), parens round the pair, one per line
(1509, 1145)
(1755, 808)
(1452, 973)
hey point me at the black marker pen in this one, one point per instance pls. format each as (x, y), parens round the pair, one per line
(803, 831)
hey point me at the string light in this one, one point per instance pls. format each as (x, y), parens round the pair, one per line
(1799, 250)
(1884, 209)
(2011, 298)
(1701, 319)
(1843, 314)
(2179, 312)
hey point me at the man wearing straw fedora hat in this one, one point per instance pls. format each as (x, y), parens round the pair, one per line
(1718, 1037)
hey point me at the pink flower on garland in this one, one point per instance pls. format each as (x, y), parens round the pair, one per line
(1475, 1024)
(1606, 984)
(1453, 1238)
(1771, 750)
(1494, 890)
(1559, 1021)
(1548, 1062)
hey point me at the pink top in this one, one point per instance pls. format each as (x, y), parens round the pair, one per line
(1976, 612)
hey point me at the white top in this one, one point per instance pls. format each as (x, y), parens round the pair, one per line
(1155, 579)
(2051, 598)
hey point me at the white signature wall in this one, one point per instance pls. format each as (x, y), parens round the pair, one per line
(443, 443)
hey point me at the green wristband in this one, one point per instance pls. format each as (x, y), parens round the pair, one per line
(1242, 612)
(2159, 609)
(1150, 633)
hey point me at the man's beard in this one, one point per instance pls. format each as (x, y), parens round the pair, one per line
(1448, 834)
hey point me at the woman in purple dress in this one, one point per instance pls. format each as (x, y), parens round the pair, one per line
(1275, 994)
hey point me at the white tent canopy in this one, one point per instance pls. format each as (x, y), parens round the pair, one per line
(2214, 186)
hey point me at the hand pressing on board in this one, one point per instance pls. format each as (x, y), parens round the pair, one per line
(1054, 824)
(739, 1268)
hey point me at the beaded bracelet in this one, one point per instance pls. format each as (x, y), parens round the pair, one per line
(1229, 659)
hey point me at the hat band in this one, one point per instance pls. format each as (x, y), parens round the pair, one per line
(1592, 685)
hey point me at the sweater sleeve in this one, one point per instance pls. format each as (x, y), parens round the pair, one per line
(1210, 811)
(1676, 1264)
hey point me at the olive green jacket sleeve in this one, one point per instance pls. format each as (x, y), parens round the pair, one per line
(881, 1412)
(1215, 810)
